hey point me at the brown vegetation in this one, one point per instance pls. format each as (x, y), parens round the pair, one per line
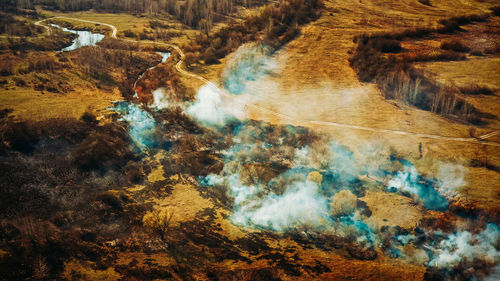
(163, 76)
(454, 45)
(276, 25)
(399, 79)
(476, 90)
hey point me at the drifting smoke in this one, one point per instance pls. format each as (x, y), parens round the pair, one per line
(452, 178)
(299, 207)
(464, 249)
(142, 124)
(281, 180)
(410, 182)
(208, 107)
(249, 63)
(160, 100)
(303, 197)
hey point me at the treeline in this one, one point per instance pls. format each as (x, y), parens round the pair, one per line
(376, 59)
(276, 24)
(194, 13)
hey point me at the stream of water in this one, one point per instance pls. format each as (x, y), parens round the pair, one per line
(85, 38)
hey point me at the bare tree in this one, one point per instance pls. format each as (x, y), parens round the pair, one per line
(158, 220)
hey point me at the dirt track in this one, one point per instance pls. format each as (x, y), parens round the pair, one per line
(179, 68)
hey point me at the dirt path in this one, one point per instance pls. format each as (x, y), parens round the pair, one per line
(113, 28)
(179, 68)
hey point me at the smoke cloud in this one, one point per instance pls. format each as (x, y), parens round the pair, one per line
(410, 182)
(249, 63)
(283, 179)
(464, 248)
(208, 107)
(452, 178)
(141, 124)
(299, 207)
(160, 100)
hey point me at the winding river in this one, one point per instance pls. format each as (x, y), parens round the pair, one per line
(85, 38)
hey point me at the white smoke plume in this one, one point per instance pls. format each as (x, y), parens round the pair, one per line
(141, 124)
(160, 99)
(208, 107)
(299, 207)
(409, 181)
(465, 247)
(452, 178)
(249, 63)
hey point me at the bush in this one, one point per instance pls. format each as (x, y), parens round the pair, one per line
(496, 11)
(190, 58)
(5, 112)
(425, 2)
(42, 63)
(476, 90)
(129, 33)
(209, 56)
(89, 118)
(387, 46)
(454, 45)
(105, 147)
(343, 203)
(20, 136)
(159, 221)
(477, 53)
(134, 172)
(19, 82)
(6, 67)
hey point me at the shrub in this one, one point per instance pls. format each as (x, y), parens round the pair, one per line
(89, 118)
(19, 82)
(20, 136)
(493, 50)
(5, 112)
(496, 11)
(476, 90)
(134, 172)
(111, 199)
(107, 146)
(129, 33)
(209, 56)
(425, 2)
(343, 203)
(454, 45)
(159, 221)
(190, 58)
(155, 24)
(477, 53)
(42, 63)
(387, 45)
